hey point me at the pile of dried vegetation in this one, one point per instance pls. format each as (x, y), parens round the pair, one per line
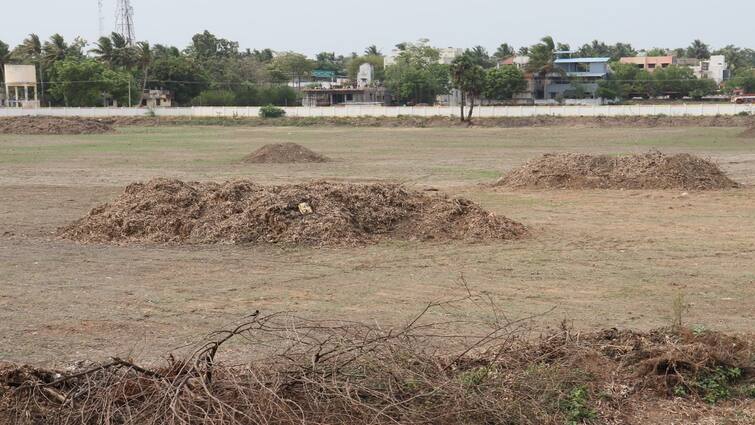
(53, 125)
(300, 371)
(652, 170)
(318, 213)
(284, 153)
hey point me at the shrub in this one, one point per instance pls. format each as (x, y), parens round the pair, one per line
(271, 111)
(214, 98)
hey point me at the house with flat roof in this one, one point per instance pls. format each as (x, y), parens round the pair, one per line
(579, 77)
(650, 63)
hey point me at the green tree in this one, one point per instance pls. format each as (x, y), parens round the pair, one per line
(352, 67)
(330, 62)
(291, 66)
(744, 80)
(504, 82)
(30, 52)
(738, 59)
(87, 82)
(600, 49)
(698, 50)
(143, 58)
(542, 63)
(468, 76)
(504, 51)
(372, 51)
(680, 81)
(4, 59)
(417, 77)
(479, 55)
(179, 74)
(264, 55)
(657, 51)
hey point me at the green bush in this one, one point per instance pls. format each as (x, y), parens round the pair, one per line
(271, 111)
(215, 98)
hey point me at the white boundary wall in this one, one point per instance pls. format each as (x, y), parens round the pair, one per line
(394, 111)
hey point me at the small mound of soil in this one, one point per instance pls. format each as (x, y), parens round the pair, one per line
(652, 170)
(748, 134)
(53, 125)
(319, 213)
(284, 153)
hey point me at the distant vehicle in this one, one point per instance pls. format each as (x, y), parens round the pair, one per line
(743, 98)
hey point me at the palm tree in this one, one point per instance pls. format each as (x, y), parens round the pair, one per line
(54, 50)
(698, 50)
(30, 51)
(104, 50)
(480, 56)
(542, 61)
(115, 51)
(372, 51)
(123, 53)
(144, 60)
(4, 58)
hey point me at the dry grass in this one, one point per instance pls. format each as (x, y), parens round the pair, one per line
(304, 371)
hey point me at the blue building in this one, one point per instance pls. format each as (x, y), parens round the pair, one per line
(579, 77)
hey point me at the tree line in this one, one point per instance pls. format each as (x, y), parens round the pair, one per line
(214, 71)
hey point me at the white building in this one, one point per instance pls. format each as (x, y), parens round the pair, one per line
(447, 55)
(21, 86)
(714, 68)
(365, 75)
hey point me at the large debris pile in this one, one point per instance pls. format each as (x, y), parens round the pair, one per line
(53, 125)
(418, 374)
(284, 153)
(319, 213)
(652, 170)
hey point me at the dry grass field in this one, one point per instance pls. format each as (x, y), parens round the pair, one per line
(598, 259)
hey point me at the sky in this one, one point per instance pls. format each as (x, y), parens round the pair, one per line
(343, 27)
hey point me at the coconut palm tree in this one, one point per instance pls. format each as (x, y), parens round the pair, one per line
(144, 60)
(542, 61)
(4, 58)
(30, 51)
(103, 48)
(698, 50)
(372, 51)
(54, 50)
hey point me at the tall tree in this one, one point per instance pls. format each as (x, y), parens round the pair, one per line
(30, 51)
(103, 48)
(504, 82)
(698, 50)
(4, 58)
(468, 76)
(504, 51)
(480, 56)
(542, 62)
(372, 51)
(54, 50)
(143, 60)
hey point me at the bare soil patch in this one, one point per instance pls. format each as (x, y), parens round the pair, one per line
(320, 213)
(749, 133)
(652, 170)
(652, 121)
(284, 153)
(53, 125)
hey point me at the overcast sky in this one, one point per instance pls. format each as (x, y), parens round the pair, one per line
(310, 26)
